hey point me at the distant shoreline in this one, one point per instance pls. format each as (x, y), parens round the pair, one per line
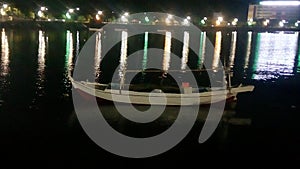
(59, 25)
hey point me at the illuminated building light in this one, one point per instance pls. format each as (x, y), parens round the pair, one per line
(266, 22)
(188, 18)
(281, 24)
(280, 3)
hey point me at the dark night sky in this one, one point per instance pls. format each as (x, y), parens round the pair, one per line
(230, 8)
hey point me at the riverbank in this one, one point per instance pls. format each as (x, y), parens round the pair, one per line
(60, 25)
(43, 25)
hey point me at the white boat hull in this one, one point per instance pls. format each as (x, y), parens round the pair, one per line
(154, 98)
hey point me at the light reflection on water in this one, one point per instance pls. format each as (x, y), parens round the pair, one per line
(248, 51)
(145, 56)
(232, 49)
(217, 51)
(201, 50)
(123, 56)
(267, 55)
(298, 65)
(167, 51)
(69, 50)
(41, 53)
(275, 55)
(4, 54)
(98, 48)
(185, 50)
(42, 49)
(70, 57)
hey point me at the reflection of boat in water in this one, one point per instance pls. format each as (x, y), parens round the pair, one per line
(184, 96)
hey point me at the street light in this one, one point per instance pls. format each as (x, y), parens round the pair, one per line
(186, 22)
(68, 15)
(5, 6)
(220, 19)
(203, 22)
(71, 10)
(2, 12)
(40, 13)
(44, 8)
(100, 12)
(124, 18)
(234, 22)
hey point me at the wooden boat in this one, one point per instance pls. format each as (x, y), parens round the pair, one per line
(188, 96)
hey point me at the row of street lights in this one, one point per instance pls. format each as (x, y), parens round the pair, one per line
(4, 9)
(42, 13)
(281, 23)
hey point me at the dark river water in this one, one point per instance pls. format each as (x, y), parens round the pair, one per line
(38, 123)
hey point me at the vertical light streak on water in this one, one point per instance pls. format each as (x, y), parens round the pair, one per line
(275, 55)
(185, 50)
(123, 57)
(69, 51)
(248, 52)
(41, 53)
(42, 48)
(257, 47)
(4, 53)
(167, 51)
(232, 49)
(77, 43)
(98, 49)
(145, 57)
(217, 51)
(298, 66)
(201, 50)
